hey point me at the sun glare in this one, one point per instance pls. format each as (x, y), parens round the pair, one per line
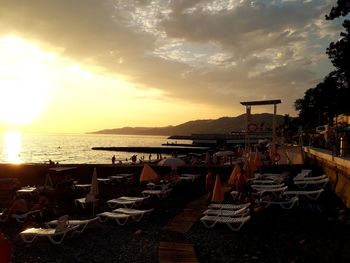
(23, 80)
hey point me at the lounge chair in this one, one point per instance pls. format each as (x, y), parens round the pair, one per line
(104, 180)
(126, 201)
(136, 214)
(189, 177)
(22, 217)
(287, 203)
(229, 206)
(85, 200)
(227, 212)
(80, 223)
(85, 187)
(153, 186)
(120, 177)
(234, 223)
(121, 219)
(312, 194)
(319, 183)
(306, 178)
(55, 235)
(158, 193)
(277, 178)
(266, 186)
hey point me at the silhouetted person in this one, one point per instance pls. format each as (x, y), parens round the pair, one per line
(113, 159)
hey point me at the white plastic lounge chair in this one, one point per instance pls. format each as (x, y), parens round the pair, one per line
(153, 186)
(277, 178)
(121, 219)
(264, 181)
(306, 178)
(55, 235)
(126, 201)
(104, 180)
(120, 177)
(189, 177)
(80, 223)
(223, 212)
(284, 203)
(275, 191)
(234, 223)
(85, 200)
(312, 194)
(158, 193)
(229, 206)
(85, 187)
(136, 214)
(304, 183)
(22, 217)
(266, 186)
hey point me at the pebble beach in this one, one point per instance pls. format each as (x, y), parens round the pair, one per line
(309, 232)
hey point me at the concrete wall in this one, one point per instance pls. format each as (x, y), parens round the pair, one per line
(336, 168)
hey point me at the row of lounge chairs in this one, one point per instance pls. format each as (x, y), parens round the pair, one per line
(56, 230)
(234, 216)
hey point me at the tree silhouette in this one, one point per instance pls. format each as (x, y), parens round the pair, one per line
(330, 97)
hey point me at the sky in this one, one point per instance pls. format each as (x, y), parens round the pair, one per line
(85, 65)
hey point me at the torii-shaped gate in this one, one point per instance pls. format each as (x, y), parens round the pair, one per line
(248, 105)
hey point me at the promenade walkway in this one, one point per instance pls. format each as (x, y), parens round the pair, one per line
(182, 252)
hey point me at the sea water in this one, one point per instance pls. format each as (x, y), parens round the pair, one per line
(17, 147)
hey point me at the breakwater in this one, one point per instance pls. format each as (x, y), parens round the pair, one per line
(167, 150)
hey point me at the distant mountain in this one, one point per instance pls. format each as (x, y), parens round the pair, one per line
(222, 125)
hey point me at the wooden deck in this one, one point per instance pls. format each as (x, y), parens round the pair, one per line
(180, 252)
(176, 252)
(184, 220)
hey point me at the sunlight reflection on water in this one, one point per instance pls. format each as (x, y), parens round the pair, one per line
(17, 147)
(13, 147)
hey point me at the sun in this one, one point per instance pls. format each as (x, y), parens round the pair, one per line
(23, 81)
(20, 103)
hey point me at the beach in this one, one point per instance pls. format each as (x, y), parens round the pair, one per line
(309, 232)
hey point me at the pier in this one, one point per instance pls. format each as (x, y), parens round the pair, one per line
(167, 150)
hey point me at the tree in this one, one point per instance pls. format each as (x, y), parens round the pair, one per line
(330, 97)
(339, 52)
(320, 104)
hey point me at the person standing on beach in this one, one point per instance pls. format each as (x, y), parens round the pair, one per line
(113, 159)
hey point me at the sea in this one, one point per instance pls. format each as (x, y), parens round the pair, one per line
(22, 148)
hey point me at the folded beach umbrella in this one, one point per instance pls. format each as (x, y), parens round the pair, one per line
(251, 162)
(148, 174)
(234, 175)
(91, 196)
(94, 184)
(257, 160)
(218, 194)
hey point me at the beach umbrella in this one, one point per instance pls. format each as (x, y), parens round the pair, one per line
(148, 174)
(91, 196)
(251, 163)
(218, 194)
(234, 175)
(94, 184)
(257, 160)
(172, 162)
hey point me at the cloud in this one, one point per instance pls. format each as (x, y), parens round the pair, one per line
(211, 52)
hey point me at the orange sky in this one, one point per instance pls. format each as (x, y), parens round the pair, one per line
(80, 66)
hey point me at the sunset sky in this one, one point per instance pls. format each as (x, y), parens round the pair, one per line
(86, 65)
